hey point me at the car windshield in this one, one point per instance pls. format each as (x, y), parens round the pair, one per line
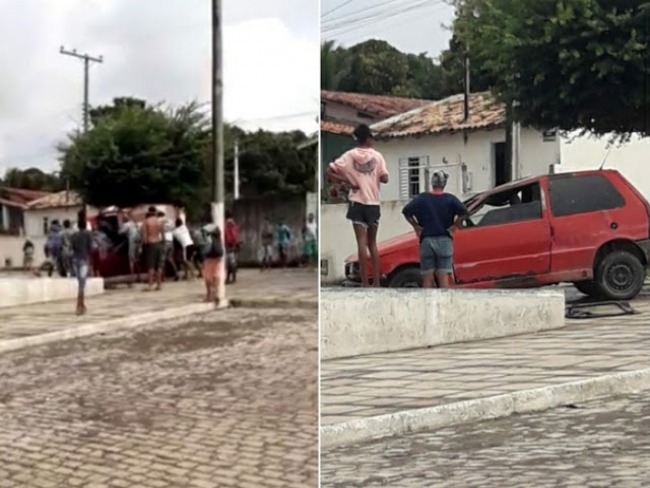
(504, 207)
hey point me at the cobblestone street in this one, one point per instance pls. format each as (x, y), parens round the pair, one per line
(226, 399)
(599, 444)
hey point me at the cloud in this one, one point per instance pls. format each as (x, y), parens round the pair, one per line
(159, 51)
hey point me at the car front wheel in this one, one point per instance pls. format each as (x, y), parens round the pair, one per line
(620, 276)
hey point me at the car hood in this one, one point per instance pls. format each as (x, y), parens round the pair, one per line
(388, 246)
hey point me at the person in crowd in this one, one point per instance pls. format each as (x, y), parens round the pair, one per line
(182, 247)
(213, 253)
(66, 249)
(267, 238)
(53, 249)
(129, 229)
(152, 247)
(233, 244)
(168, 245)
(81, 244)
(363, 170)
(310, 239)
(434, 215)
(283, 238)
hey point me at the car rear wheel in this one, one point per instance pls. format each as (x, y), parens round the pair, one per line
(620, 276)
(406, 278)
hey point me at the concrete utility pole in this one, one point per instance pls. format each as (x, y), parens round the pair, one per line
(218, 187)
(87, 60)
(236, 172)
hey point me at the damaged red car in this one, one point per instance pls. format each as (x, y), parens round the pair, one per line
(589, 228)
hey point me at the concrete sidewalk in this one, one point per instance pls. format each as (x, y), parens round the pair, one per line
(369, 386)
(252, 288)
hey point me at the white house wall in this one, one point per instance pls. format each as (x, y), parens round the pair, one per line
(34, 219)
(588, 152)
(535, 157)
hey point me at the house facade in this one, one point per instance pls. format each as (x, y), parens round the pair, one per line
(40, 213)
(473, 152)
(13, 203)
(341, 112)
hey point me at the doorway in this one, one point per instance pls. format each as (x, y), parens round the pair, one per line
(501, 173)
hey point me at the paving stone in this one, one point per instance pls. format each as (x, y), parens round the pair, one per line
(389, 382)
(167, 405)
(602, 443)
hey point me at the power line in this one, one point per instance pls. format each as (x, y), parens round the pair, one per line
(341, 5)
(367, 11)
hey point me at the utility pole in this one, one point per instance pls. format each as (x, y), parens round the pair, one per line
(236, 172)
(87, 59)
(218, 187)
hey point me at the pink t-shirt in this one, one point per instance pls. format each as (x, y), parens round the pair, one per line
(362, 167)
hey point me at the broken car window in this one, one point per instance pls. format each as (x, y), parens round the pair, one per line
(512, 205)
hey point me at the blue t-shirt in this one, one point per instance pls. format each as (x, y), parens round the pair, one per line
(434, 212)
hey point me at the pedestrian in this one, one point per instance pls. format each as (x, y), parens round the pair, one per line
(81, 243)
(28, 256)
(53, 249)
(232, 247)
(66, 249)
(129, 229)
(168, 248)
(152, 248)
(283, 237)
(434, 216)
(182, 244)
(363, 169)
(310, 238)
(267, 245)
(213, 253)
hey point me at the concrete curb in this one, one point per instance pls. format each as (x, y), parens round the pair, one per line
(432, 418)
(105, 326)
(274, 303)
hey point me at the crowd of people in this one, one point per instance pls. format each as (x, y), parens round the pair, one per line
(159, 247)
(434, 215)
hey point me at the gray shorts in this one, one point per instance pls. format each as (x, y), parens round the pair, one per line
(436, 254)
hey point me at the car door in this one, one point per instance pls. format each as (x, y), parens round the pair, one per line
(508, 244)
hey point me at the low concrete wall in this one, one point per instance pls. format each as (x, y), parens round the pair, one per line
(19, 290)
(367, 321)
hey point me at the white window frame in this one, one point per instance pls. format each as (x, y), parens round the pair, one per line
(413, 176)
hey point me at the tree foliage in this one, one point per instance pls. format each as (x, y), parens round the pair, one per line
(138, 153)
(570, 64)
(376, 67)
(33, 179)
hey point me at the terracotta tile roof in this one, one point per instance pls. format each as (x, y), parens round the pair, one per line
(334, 127)
(446, 115)
(56, 200)
(381, 106)
(19, 197)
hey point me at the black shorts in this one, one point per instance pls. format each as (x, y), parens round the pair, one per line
(365, 215)
(153, 255)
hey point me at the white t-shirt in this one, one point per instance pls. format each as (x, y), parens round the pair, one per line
(183, 236)
(310, 231)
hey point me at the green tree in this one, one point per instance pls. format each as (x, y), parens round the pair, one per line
(136, 153)
(570, 64)
(33, 179)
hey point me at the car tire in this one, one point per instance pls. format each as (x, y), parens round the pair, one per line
(406, 278)
(620, 276)
(589, 288)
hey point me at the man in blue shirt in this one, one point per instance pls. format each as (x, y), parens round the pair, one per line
(432, 216)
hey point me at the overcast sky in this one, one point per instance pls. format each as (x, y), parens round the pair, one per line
(412, 26)
(158, 50)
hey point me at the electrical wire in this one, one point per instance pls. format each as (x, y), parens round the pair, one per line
(341, 5)
(389, 10)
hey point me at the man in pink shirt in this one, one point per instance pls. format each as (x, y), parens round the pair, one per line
(364, 170)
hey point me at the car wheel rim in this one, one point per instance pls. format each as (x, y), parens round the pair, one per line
(620, 277)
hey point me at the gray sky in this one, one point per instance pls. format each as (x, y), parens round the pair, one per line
(158, 50)
(412, 26)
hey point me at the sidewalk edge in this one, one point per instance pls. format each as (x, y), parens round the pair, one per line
(523, 401)
(104, 326)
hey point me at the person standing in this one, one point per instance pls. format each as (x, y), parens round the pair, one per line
(129, 229)
(66, 249)
(363, 169)
(310, 238)
(81, 243)
(152, 248)
(267, 245)
(434, 216)
(232, 247)
(284, 237)
(28, 256)
(168, 247)
(183, 242)
(213, 257)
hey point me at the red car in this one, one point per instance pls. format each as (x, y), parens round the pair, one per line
(589, 228)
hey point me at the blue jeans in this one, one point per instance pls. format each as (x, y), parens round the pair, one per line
(80, 267)
(436, 254)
